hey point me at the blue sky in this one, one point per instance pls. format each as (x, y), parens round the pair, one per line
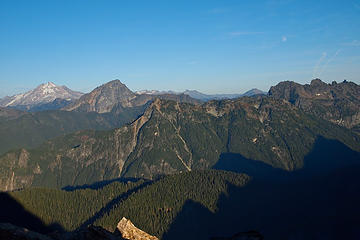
(214, 46)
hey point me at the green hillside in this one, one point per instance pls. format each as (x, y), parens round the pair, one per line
(173, 137)
(31, 129)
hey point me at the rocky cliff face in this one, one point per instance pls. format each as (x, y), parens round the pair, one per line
(130, 232)
(103, 99)
(336, 102)
(174, 137)
(104, 151)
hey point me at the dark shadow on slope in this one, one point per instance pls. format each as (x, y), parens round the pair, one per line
(249, 235)
(11, 211)
(320, 201)
(100, 184)
(111, 204)
(237, 163)
(317, 208)
(193, 222)
(326, 156)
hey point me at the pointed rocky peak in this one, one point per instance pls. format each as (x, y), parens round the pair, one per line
(114, 83)
(104, 98)
(48, 85)
(48, 88)
(115, 86)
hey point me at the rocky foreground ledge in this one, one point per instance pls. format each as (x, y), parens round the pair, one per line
(129, 231)
(125, 230)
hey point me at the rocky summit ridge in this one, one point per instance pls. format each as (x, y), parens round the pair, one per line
(335, 102)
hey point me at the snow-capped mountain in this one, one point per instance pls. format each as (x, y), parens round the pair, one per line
(44, 93)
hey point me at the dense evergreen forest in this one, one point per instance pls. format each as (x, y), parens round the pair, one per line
(151, 205)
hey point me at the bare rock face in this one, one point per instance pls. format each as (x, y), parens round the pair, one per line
(104, 98)
(130, 232)
(336, 102)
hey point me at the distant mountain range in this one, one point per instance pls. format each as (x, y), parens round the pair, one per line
(204, 97)
(108, 106)
(117, 105)
(266, 120)
(49, 96)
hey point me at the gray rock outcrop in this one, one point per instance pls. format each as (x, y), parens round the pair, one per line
(130, 232)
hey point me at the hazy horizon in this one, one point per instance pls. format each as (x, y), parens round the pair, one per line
(161, 90)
